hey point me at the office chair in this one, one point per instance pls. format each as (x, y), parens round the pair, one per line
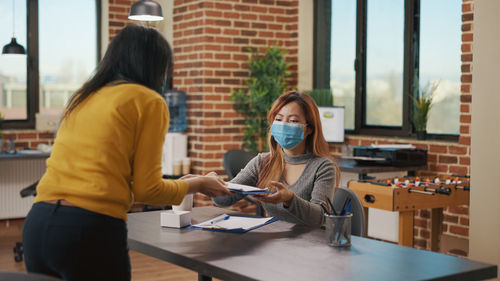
(25, 192)
(234, 161)
(358, 226)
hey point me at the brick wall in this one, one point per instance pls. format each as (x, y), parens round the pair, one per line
(118, 15)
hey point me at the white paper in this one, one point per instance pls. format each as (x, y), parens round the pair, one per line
(242, 187)
(233, 222)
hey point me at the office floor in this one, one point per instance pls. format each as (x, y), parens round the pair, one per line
(144, 268)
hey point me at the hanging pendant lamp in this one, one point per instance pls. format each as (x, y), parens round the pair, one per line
(145, 10)
(13, 47)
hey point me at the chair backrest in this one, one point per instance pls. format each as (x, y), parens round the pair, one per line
(358, 226)
(235, 160)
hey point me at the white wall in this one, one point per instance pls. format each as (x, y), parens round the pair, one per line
(306, 43)
(485, 135)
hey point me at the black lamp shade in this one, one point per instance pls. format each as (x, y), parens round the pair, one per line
(145, 10)
(13, 48)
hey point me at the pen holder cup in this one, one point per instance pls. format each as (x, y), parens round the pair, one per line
(338, 230)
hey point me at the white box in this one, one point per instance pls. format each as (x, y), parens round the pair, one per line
(332, 122)
(175, 219)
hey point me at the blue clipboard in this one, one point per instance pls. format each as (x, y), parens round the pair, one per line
(237, 230)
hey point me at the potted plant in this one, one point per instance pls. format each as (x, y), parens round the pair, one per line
(267, 82)
(422, 104)
(322, 97)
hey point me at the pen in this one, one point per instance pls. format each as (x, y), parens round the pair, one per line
(347, 205)
(322, 204)
(331, 205)
(222, 218)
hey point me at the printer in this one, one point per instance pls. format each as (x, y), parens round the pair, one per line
(394, 155)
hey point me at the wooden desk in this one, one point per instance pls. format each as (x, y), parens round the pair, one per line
(283, 251)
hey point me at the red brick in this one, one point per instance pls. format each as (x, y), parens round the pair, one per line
(464, 140)
(465, 108)
(460, 210)
(466, 48)
(454, 149)
(466, 7)
(465, 68)
(450, 218)
(425, 233)
(464, 221)
(448, 159)
(467, 57)
(420, 222)
(467, 17)
(459, 170)
(466, 78)
(438, 148)
(466, 98)
(465, 118)
(438, 168)
(425, 214)
(420, 243)
(459, 230)
(464, 161)
(465, 88)
(464, 129)
(27, 135)
(466, 27)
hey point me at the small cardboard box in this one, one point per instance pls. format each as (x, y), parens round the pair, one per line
(175, 219)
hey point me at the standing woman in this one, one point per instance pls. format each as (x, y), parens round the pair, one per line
(299, 166)
(107, 155)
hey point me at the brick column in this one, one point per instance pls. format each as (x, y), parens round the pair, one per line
(211, 42)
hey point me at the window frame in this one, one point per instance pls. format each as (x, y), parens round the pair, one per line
(32, 66)
(322, 25)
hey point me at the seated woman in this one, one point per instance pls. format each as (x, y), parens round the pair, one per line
(298, 167)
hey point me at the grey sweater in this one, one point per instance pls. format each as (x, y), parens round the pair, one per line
(316, 181)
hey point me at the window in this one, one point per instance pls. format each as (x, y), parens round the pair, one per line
(378, 48)
(62, 52)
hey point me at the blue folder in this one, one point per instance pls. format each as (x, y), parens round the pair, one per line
(237, 230)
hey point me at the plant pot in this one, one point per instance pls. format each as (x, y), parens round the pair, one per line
(421, 135)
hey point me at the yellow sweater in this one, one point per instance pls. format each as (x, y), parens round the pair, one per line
(107, 153)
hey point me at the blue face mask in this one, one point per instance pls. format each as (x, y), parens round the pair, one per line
(288, 135)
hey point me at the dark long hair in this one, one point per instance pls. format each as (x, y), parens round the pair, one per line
(138, 54)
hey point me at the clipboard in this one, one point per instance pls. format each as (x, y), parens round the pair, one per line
(233, 223)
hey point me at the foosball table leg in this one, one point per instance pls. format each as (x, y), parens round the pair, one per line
(436, 227)
(406, 228)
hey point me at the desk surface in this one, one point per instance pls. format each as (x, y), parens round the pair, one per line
(351, 166)
(32, 154)
(283, 251)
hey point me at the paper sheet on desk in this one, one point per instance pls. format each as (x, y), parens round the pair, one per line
(237, 224)
(245, 189)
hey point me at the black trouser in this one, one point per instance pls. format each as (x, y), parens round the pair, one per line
(75, 244)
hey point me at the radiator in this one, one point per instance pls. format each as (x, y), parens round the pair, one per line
(16, 174)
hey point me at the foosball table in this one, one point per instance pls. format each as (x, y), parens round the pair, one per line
(405, 195)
